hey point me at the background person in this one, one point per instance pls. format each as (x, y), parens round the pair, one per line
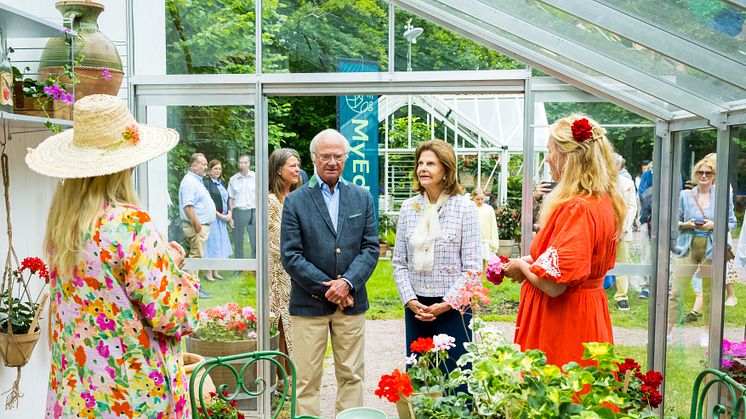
(242, 205)
(437, 243)
(284, 177)
(120, 303)
(563, 303)
(487, 226)
(196, 209)
(626, 188)
(218, 245)
(329, 247)
(695, 224)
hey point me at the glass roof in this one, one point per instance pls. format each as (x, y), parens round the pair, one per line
(657, 56)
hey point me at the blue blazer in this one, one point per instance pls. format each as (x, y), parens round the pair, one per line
(312, 252)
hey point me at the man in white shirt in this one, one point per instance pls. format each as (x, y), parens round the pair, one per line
(242, 207)
(626, 188)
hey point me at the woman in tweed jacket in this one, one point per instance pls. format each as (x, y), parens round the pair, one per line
(437, 243)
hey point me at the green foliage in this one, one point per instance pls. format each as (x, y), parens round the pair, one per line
(398, 137)
(16, 313)
(508, 220)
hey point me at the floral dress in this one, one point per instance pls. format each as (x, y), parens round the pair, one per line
(117, 324)
(279, 280)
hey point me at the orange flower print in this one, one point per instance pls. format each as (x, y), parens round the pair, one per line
(122, 409)
(132, 134)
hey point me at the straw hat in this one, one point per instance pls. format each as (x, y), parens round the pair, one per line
(105, 139)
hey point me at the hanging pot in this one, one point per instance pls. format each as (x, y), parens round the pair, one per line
(97, 50)
(16, 349)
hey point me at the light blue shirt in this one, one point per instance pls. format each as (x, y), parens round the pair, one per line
(330, 199)
(193, 192)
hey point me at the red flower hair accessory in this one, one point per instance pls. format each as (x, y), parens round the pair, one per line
(582, 130)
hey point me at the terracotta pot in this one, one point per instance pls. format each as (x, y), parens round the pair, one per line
(16, 349)
(382, 249)
(223, 375)
(97, 50)
(190, 362)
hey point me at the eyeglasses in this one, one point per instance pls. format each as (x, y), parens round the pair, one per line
(700, 173)
(339, 158)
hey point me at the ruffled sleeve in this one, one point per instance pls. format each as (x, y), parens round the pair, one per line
(567, 258)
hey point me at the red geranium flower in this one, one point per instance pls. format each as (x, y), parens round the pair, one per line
(422, 345)
(391, 386)
(581, 130)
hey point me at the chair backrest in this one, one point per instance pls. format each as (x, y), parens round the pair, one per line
(243, 389)
(728, 388)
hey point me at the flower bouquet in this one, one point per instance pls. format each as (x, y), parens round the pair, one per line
(494, 272)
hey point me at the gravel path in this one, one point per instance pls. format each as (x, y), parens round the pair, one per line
(384, 351)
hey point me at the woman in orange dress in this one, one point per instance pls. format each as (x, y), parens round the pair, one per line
(563, 303)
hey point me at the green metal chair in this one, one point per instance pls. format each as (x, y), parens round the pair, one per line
(722, 382)
(271, 358)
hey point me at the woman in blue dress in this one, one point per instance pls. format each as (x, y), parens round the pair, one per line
(218, 245)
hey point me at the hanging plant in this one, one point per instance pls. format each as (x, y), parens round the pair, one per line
(19, 310)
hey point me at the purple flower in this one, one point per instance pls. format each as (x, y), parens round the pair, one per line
(726, 363)
(104, 322)
(90, 401)
(149, 311)
(105, 74)
(68, 98)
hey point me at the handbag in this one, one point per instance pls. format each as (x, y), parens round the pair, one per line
(729, 255)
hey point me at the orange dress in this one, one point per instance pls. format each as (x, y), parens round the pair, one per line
(576, 247)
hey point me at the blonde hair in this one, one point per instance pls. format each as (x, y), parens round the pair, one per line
(589, 169)
(707, 160)
(76, 207)
(447, 156)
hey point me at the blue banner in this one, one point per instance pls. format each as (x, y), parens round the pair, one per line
(357, 120)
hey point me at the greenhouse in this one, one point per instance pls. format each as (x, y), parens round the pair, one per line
(240, 79)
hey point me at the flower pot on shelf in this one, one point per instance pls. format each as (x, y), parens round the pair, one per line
(506, 248)
(223, 375)
(16, 349)
(97, 50)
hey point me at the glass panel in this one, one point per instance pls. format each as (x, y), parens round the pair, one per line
(691, 260)
(735, 280)
(440, 49)
(225, 136)
(716, 25)
(575, 69)
(210, 37)
(303, 36)
(622, 50)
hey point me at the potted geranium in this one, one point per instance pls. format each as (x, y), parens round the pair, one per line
(20, 312)
(228, 330)
(733, 364)
(508, 219)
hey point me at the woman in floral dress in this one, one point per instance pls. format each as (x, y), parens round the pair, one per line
(563, 303)
(120, 304)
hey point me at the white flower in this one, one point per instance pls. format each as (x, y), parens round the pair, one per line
(443, 342)
(411, 359)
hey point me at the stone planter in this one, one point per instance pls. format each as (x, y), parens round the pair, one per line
(223, 375)
(506, 248)
(16, 349)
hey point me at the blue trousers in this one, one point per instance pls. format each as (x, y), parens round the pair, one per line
(449, 323)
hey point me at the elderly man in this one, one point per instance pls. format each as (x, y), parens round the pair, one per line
(196, 209)
(329, 247)
(242, 206)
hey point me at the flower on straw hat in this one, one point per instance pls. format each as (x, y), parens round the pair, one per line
(105, 139)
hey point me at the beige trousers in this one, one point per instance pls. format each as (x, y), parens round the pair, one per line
(310, 336)
(196, 240)
(622, 281)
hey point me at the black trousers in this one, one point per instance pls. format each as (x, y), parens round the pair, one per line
(244, 219)
(449, 323)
